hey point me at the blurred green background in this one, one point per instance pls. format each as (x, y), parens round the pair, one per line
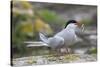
(29, 18)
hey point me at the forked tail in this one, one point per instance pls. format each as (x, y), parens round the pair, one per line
(43, 38)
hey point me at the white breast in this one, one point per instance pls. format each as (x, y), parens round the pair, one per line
(68, 35)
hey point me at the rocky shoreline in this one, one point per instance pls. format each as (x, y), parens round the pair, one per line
(50, 59)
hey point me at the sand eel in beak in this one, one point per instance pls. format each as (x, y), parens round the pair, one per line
(63, 39)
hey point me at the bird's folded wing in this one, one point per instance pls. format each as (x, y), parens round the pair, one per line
(55, 41)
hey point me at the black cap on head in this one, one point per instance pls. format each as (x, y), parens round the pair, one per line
(70, 21)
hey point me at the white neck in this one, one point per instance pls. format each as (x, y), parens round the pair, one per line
(71, 26)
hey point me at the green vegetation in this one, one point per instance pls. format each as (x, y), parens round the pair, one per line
(49, 16)
(27, 22)
(93, 51)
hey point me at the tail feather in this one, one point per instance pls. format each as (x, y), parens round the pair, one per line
(43, 38)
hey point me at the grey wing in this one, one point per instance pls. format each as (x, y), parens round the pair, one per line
(56, 41)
